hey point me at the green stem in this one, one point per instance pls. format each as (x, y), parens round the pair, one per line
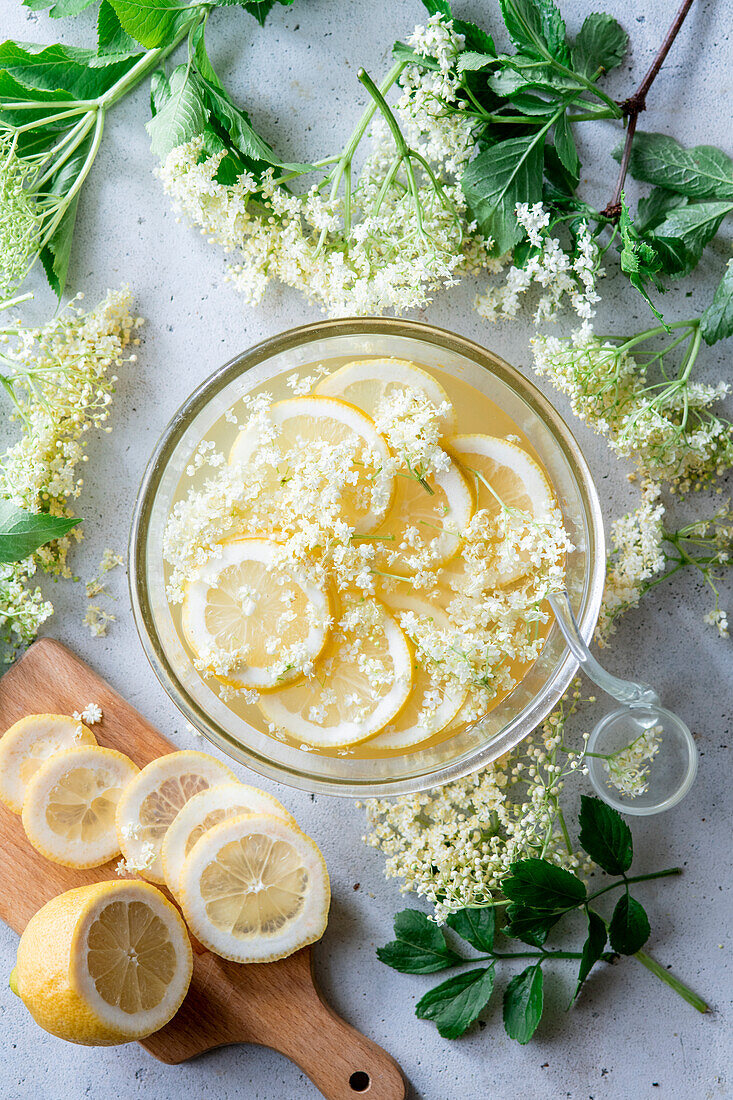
(674, 983)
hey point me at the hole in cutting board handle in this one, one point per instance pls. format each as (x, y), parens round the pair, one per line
(360, 1081)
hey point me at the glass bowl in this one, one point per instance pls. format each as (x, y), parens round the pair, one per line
(520, 712)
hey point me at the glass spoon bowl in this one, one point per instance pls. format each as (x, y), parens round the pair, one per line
(670, 772)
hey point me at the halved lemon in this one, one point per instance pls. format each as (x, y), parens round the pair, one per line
(150, 803)
(106, 963)
(502, 473)
(439, 518)
(370, 383)
(255, 622)
(207, 809)
(255, 889)
(359, 685)
(433, 703)
(300, 423)
(70, 803)
(25, 746)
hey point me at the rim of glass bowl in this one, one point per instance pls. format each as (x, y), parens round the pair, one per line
(527, 719)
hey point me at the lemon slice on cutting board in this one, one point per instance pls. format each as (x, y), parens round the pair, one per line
(241, 601)
(360, 683)
(370, 383)
(432, 705)
(514, 476)
(150, 803)
(205, 810)
(255, 889)
(303, 422)
(25, 746)
(103, 964)
(70, 803)
(438, 517)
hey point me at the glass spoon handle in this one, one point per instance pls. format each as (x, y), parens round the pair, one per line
(625, 691)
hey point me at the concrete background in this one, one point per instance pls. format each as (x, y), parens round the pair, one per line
(628, 1037)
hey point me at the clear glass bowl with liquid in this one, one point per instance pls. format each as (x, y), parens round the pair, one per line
(463, 367)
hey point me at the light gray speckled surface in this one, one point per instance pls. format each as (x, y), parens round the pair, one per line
(628, 1038)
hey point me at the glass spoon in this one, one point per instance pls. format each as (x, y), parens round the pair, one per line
(671, 768)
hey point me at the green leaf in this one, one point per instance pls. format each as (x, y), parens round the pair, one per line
(523, 1000)
(154, 22)
(639, 260)
(470, 61)
(542, 885)
(56, 253)
(653, 209)
(629, 928)
(454, 1005)
(420, 946)
(717, 321)
(111, 39)
(592, 948)
(58, 9)
(475, 926)
(260, 9)
(438, 7)
(401, 52)
(565, 147)
(476, 39)
(21, 532)
(66, 71)
(605, 836)
(497, 179)
(694, 225)
(529, 925)
(181, 111)
(601, 44)
(702, 172)
(536, 28)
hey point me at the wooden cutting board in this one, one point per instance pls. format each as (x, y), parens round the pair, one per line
(275, 1005)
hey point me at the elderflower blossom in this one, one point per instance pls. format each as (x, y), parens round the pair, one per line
(637, 556)
(58, 379)
(669, 430)
(19, 220)
(628, 769)
(454, 845)
(558, 273)
(90, 715)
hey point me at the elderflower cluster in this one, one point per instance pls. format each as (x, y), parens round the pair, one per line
(58, 378)
(559, 274)
(628, 769)
(19, 220)
(455, 844)
(669, 430)
(637, 556)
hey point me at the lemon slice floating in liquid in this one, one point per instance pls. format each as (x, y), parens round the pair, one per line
(105, 963)
(438, 517)
(243, 599)
(255, 889)
(301, 422)
(370, 383)
(150, 803)
(207, 809)
(360, 683)
(514, 476)
(70, 803)
(25, 746)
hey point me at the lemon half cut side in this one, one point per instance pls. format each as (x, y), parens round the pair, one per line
(70, 804)
(255, 889)
(106, 963)
(25, 746)
(150, 803)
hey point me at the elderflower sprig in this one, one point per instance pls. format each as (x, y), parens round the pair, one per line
(646, 553)
(648, 409)
(454, 845)
(58, 379)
